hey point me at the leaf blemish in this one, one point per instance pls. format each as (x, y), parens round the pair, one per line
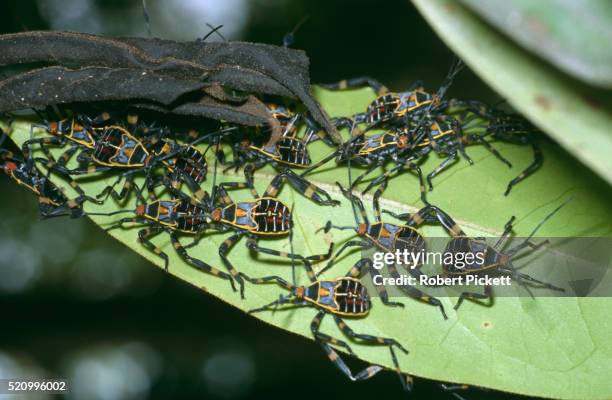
(543, 102)
(487, 325)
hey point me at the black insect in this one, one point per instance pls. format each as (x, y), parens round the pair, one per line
(500, 126)
(444, 135)
(77, 131)
(404, 115)
(289, 150)
(494, 260)
(52, 201)
(340, 297)
(173, 216)
(265, 216)
(387, 237)
(396, 106)
(116, 148)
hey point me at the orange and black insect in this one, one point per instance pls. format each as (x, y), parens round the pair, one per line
(387, 237)
(340, 297)
(288, 151)
(266, 216)
(116, 148)
(500, 126)
(51, 199)
(77, 131)
(395, 106)
(174, 216)
(494, 259)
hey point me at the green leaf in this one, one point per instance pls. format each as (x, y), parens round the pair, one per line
(553, 347)
(573, 36)
(575, 115)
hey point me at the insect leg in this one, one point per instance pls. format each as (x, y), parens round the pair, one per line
(223, 250)
(199, 264)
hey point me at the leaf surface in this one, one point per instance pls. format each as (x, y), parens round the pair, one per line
(552, 347)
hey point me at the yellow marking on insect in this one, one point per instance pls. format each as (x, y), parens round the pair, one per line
(383, 90)
(132, 119)
(310, 190)
(456, 230)
(417, 218)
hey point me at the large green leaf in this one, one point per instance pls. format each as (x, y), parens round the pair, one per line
(575, 115)
(574, 36)
(553, 347)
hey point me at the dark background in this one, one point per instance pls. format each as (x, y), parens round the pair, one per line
(76, 304)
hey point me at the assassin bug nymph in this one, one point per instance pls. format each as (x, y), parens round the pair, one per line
(288, 151)
(341, 297)
(497, 261)
(387, 237)
(392, 106)
(118, 149)
(51, 199)
(173, 216)
(266, 216)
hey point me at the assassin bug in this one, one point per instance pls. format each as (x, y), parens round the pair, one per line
(386, 237)
(396, 106)
(117, 148)
(51, 199)
(341, 297)
(372, 151)
(446, 136)
(174, 216)
(76, 130)
(394, 144)
(510, 128)
(288, 151)
(497, 261)
(266, 216)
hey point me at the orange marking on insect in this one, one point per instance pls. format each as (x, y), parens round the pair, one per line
(9, 167)
(53, 127)
(361, 229)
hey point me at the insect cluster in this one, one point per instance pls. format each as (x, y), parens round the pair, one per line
(168, 173)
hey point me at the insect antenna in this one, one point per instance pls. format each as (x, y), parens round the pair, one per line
(525, 243)
(455, 68)
(110, 213)
(293, 278)
(214, 180)
(145, 15)
(289, 38)
(215, 30)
